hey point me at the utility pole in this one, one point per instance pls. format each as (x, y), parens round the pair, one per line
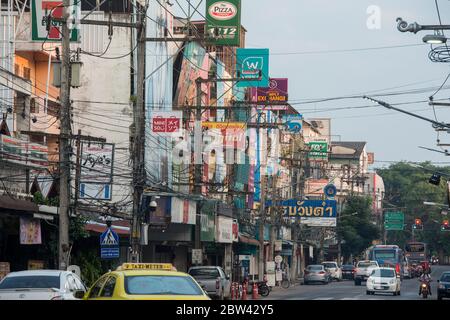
(138, 142)
(64, 143)
(198, 161)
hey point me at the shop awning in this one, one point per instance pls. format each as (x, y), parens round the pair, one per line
(247, 240)
(7, 202)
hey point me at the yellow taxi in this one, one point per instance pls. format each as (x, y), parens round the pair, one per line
(146, 281)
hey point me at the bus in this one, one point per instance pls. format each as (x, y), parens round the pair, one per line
(388, 256)
(416, 251)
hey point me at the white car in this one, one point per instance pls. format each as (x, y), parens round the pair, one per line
(383, 280)
(333, 268)
(41, 285)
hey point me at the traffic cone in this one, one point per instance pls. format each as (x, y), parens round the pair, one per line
(255, 291)
(244, 291)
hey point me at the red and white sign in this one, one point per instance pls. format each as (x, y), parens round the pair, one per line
(223, 10)
(314, 187)
(166, 122)
(183, 211)
(235, 230)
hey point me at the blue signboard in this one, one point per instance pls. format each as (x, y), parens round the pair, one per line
(293, 122)
(330, 190)
(109, 244)
(252, 64)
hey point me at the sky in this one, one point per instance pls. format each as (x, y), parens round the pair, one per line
(300, 35)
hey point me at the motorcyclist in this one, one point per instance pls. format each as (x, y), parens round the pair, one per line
(425, 277)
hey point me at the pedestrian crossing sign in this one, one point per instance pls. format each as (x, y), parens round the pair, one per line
(109, 244)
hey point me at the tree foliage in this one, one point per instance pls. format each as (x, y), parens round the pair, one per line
(406, 188)
(356, 227)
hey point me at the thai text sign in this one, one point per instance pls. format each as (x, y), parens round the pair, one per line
(306, 208)
(225, 18)
(233, 133)
(252, 64)
(42, 8)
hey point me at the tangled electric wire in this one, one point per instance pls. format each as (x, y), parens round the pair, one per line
(440, 54)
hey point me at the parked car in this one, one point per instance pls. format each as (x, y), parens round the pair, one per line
(363, 270)
(348, 271)
(336, 272)
(41, 285)
(444, 286)
(146, 281)
(214, 281)
(316, 273)
(383, 280)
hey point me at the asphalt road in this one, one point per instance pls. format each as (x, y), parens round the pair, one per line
(346, 290)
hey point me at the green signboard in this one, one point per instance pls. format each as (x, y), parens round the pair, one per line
(318, 150)
(223, 22)
(394, 220)
(207, 221)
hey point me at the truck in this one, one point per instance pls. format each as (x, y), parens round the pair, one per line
(363, 270)
(213, 280)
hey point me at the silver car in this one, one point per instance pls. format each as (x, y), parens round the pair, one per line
(316, 273)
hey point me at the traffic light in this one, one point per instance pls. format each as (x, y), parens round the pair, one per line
(445, 226)
(418, 224)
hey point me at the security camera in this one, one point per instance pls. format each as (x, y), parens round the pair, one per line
(153, 205)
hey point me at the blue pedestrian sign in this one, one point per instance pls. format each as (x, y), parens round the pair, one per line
(109, 244)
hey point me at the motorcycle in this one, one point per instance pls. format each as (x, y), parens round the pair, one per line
(263, 288)
(424, 286)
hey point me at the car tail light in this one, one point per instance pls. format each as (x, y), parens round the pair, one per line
(306, 272)
(322, 272)
(58, 298)
(217, 283)
(353, 270)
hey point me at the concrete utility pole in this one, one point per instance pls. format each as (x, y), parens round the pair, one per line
(138, 143)
(198, 159)
(64, 143)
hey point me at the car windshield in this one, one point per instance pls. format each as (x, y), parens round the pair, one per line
(24, 282)
(161, 285)
(315, 268)
(445, 277)
(366, 264)
(384, 273)
(205, 273)
(385, 254)
(329, 265)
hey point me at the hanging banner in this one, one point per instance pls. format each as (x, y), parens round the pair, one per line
(252, 64)
(40, 9)
(22, 152)
(207, 221)
(224, 229)
(223, 22)
(183, 211)
(30, 231)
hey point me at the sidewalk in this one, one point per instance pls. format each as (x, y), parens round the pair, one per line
(275, 290)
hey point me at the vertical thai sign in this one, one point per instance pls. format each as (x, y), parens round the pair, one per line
(252, 64)
(223, 22)
(40, 9)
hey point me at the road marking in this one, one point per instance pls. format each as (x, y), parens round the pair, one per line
(323, 298)
(349, 299)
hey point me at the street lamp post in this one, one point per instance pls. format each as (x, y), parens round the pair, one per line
(403, 26)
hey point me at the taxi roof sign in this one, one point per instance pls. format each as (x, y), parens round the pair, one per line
(147, 266)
